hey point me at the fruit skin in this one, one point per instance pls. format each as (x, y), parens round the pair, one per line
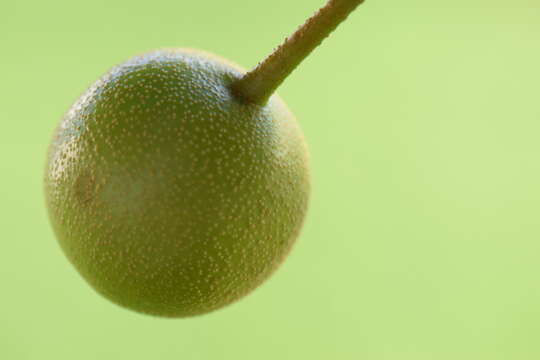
(169, 195)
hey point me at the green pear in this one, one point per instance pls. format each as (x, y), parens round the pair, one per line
(168, 194)
(178, 182)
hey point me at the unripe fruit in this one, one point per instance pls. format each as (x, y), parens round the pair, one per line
(170, 195)
(178, 183)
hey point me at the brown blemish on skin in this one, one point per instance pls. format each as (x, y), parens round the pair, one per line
(85, 188)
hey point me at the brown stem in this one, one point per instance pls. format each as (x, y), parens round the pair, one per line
(260, 83)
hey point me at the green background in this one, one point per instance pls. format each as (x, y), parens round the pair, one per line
(423, 237)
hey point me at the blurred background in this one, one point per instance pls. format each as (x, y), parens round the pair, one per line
(423, 236)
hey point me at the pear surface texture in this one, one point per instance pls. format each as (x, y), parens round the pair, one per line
(170, 195)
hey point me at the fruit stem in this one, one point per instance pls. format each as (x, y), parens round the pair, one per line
(259, 84)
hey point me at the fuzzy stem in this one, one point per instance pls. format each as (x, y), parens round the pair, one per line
(260, 83)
